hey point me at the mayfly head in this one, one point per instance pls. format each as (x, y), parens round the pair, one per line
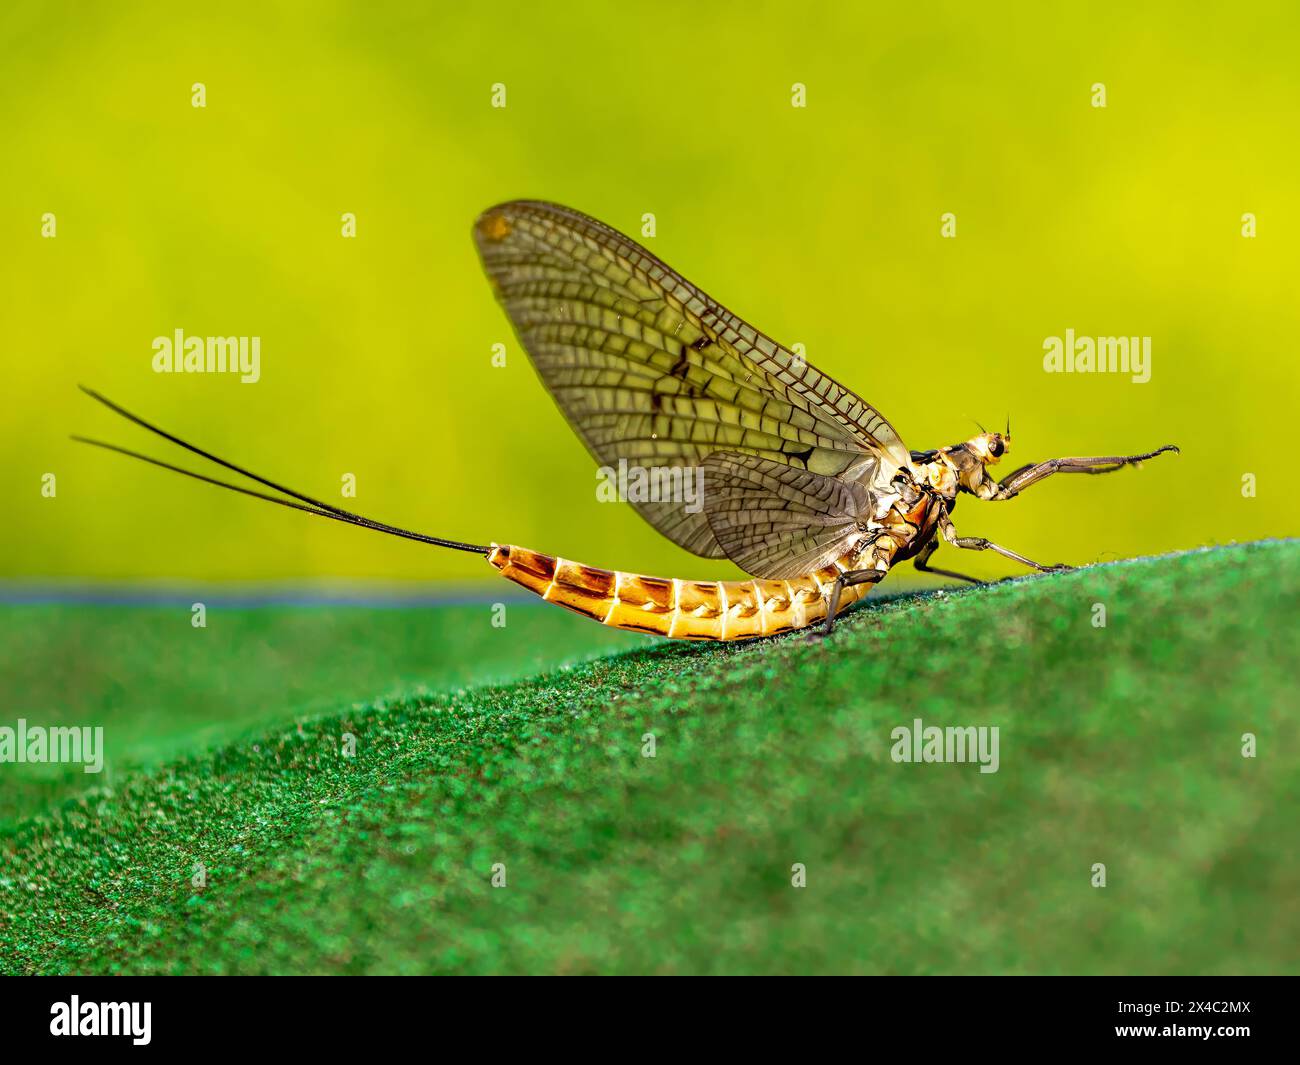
(990, 447)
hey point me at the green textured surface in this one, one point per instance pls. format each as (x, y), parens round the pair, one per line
(1119, 745)
(162, 688)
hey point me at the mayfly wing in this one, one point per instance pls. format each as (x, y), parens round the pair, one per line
(777, 521)
(650, 370)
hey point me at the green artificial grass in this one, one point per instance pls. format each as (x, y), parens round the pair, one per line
(1119, 745)
(162, 688)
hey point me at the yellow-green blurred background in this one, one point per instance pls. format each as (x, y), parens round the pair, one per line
(820, 225)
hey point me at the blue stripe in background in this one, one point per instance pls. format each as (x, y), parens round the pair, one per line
(22, 594)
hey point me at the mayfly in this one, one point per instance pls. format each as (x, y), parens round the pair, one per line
(806, 486)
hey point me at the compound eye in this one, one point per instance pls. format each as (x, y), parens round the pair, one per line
(995, 449)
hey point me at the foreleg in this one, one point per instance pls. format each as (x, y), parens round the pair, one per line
(1022, 478)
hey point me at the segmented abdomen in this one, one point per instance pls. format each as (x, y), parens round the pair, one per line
(690, 610)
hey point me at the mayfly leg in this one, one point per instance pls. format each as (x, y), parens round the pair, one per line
(1022, 478)
(978, 543)
(847, 579)
(921, 562)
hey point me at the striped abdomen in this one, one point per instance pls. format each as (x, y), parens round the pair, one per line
(690, 610)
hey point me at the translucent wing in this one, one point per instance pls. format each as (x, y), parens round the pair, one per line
(652, 371)
(775, 521)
